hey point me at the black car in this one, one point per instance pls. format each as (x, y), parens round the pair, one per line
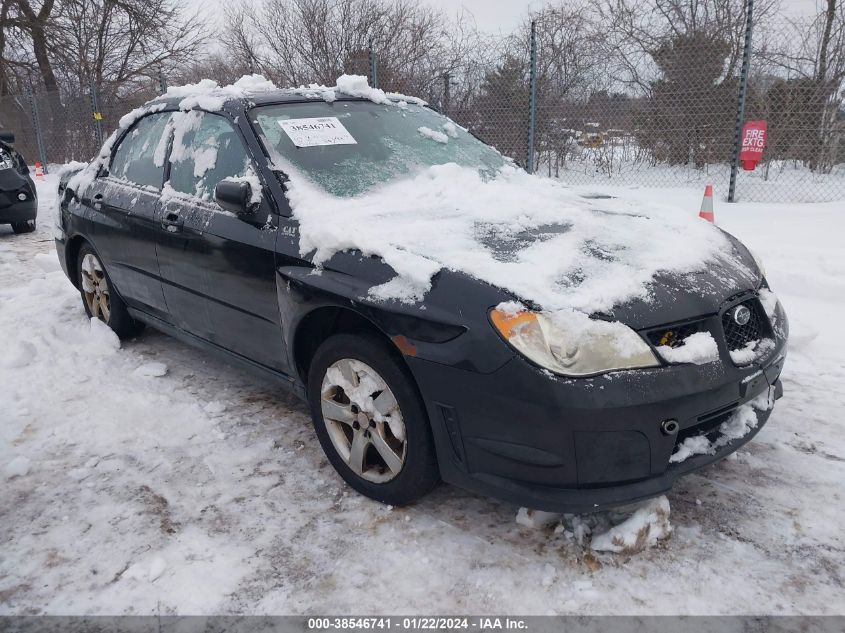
(462, 384)
(18, 200)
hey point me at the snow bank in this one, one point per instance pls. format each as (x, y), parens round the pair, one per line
(698, 348)
(625, 530)
(102, 341)
(643, 529)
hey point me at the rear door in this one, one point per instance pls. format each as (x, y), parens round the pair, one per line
(218, 268)
(125, 208)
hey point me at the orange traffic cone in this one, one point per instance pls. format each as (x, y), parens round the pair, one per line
(706, 212)
(39, 173)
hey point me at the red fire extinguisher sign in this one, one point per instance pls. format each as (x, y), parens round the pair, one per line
(753, 144)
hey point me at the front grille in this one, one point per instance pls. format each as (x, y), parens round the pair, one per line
(674, 335)
(736, 335)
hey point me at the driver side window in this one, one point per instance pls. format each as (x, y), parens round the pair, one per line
(206, 150)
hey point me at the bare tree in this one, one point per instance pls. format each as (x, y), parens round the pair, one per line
(635, 30)
(299, 42)
(120, 45)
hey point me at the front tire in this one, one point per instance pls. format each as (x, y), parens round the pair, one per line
(27, 226)
(370, 419)
(99, 297)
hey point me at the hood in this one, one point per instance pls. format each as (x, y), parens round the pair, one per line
(539, 240)
(674, 297)
(669, 297)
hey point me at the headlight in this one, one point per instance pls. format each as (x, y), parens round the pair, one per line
(6, 161)
(570, 343)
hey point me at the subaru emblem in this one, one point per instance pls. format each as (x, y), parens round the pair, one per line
(742, 315)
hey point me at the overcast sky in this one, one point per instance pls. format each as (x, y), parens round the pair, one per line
(503, 15)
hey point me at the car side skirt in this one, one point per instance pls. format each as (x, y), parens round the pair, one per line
(290, 384)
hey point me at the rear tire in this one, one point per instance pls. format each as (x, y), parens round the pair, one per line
(28, 226)
(370, 419)
(99, 296)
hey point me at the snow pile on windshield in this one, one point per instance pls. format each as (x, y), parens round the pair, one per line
(532, 236)
(434, 135)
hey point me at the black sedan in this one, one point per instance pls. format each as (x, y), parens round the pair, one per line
(18, 199)
(188, 221)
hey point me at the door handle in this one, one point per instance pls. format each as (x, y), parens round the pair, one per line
(172, 222)
(98, 201)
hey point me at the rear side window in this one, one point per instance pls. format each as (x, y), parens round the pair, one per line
(136, 158)
(206, 150)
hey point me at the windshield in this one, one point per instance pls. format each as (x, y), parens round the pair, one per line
(349, 147)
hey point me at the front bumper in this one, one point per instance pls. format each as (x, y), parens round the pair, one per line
(19, 211)
(12, 209)
(577, 445)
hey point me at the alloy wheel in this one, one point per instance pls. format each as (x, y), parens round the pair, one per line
(363, 420)
(95, 287)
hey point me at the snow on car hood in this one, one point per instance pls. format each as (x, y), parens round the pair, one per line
(532, 236)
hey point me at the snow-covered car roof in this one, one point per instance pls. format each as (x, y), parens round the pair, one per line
(255, 89)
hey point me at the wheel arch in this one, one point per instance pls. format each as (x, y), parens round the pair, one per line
(323, 322)
(72, 249)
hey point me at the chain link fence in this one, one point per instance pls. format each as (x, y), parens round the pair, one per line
(680, 128)
(54, 128)
(675, 128)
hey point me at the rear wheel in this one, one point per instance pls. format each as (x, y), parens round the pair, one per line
(98, 295)
(27, 226)
(370, 419)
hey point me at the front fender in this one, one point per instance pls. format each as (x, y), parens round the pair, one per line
(448, 327)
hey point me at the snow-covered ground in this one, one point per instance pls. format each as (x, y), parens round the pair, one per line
(777, 181)
(151, 478)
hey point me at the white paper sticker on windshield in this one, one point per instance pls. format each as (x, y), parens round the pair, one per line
(319, 131)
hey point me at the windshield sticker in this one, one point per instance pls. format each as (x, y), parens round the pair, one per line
(317, 131)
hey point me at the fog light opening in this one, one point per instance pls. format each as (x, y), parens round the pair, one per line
(21, 197)
(670, 427)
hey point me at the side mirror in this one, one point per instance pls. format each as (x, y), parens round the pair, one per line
(234, 196)
(7, 136)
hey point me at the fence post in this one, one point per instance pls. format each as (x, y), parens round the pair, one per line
(39, 137)
(743, 90)
(447, 93)
(98, 117)
(373, 66)
(162, 82)
(532, 100)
